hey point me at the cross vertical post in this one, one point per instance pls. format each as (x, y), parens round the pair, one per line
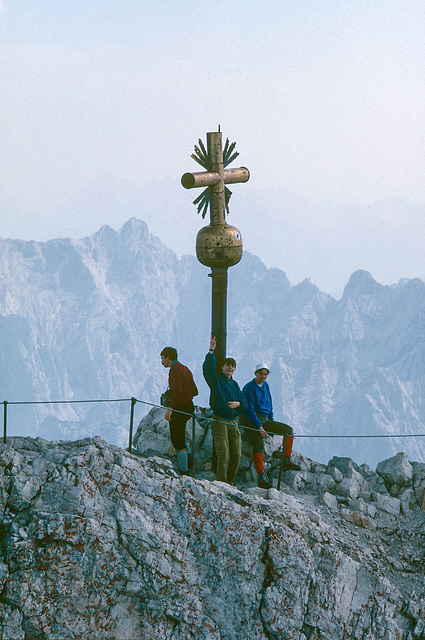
(215, 153)
(218, 275)
(219, 245)
(219, 312)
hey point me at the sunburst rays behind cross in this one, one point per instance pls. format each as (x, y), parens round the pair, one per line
(201, 156)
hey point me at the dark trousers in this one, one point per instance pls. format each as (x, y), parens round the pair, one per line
(272, 427)
(178, 425)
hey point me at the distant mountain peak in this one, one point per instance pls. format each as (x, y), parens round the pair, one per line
(361, 283)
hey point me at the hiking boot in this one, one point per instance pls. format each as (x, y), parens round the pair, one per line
(264, 482)
(288, 465)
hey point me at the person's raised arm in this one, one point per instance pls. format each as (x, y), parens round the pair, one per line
(208, 368)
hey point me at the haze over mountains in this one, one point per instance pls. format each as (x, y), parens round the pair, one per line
(87, 319)
(323, 241)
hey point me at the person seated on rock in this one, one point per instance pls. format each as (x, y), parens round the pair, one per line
(227, 401)
(259, 420)
(182, 389)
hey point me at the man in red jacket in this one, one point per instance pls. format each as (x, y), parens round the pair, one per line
(180, 405)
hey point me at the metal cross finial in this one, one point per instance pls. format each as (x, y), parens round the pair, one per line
(209, 177)
(219, 245)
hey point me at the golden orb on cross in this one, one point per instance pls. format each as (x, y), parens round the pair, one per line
(219, 246)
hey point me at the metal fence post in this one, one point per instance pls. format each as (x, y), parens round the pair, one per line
(193, 447)
(130, 438)
(282, 460)
(4, 420)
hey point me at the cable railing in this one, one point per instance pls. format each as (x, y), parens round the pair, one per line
(133, 401)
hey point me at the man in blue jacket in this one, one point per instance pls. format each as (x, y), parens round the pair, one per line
(227, 401)
(258, 417)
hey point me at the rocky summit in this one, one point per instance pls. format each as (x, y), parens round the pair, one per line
(97, 542)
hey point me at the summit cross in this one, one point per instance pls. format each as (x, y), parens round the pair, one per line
(219, 245)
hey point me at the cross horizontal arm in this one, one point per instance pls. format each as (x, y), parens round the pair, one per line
(209, 178)
(230, 176)
(200, 179)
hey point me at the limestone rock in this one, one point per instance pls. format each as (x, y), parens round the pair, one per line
(396, 470)
(98, 543)
(329, 500)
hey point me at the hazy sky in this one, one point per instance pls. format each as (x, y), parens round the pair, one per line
(325, 98)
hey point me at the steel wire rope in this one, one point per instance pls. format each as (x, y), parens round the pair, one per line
(67, 401)
(300, 435)
(134, 401)
(158, 406)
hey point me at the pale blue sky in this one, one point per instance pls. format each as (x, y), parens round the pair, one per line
(325, 98)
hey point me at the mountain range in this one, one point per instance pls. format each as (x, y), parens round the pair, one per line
(321, 240)
(86, 320)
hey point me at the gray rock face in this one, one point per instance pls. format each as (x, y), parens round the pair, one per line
(152, 436)
(99, 543)
(396, 470)
(374, 493)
